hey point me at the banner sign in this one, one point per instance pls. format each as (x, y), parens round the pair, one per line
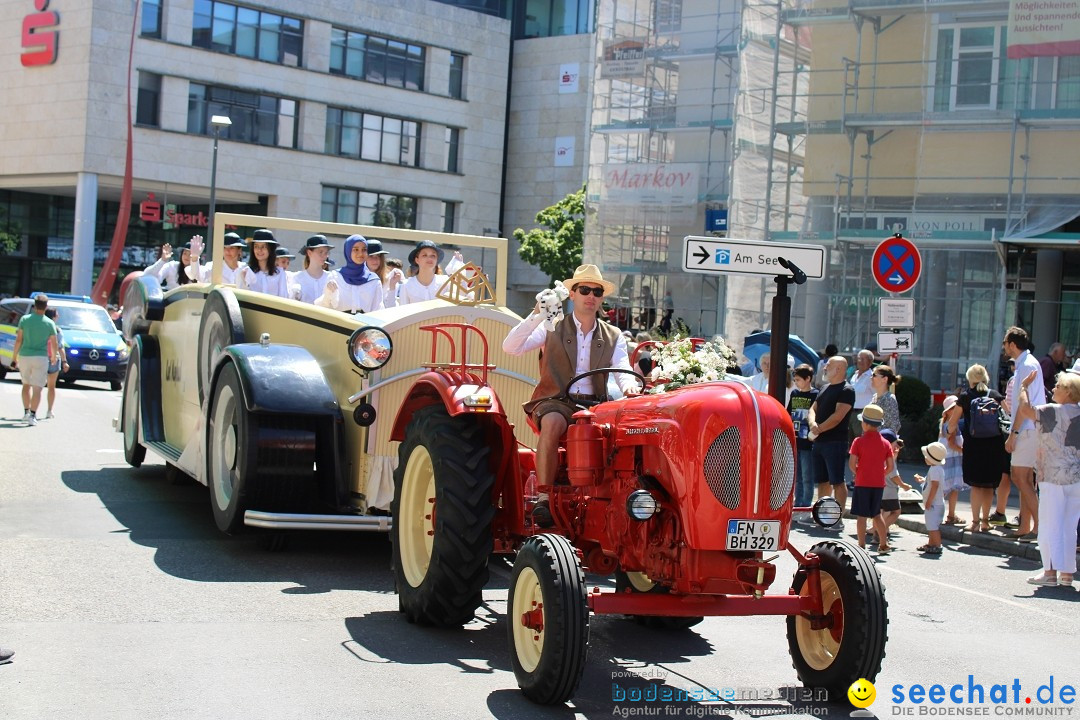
(651, 184)
(623, 59)
(1039, 28)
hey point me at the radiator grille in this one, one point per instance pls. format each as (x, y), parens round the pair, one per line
(783, 469)
(722, 468)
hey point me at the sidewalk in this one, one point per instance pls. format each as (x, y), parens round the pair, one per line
(994, 541)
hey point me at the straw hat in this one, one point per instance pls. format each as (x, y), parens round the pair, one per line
(872, 415)
(589, 274)
(934, 453)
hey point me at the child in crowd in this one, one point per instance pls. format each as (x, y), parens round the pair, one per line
(890, 498)
(871, 459)
(799, 403)
(953, 481)
(933, 496)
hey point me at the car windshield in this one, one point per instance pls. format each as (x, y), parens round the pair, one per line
(90, 318)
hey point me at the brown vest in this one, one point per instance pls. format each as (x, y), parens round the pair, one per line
(559, 359)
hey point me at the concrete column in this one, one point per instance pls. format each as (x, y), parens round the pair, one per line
(82, 250)
(1047, 316)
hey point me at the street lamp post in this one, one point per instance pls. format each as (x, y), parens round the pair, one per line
(217, 122)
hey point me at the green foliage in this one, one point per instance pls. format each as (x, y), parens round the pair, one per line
(918, 430)
(556, 250)
(912, 396)
(10, 234)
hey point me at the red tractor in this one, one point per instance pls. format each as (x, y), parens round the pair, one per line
(684, 496)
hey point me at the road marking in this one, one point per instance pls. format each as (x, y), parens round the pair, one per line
(1025, 606)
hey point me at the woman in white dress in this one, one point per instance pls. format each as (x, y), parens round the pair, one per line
(234, 248)
(262, 273)
(313, 278)
(170, 273)
(390, 277)
(356, 288)
(427, 257)
(284, 258)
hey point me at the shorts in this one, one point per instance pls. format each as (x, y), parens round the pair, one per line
(830, 459)
(1023, 454)
(933, 516)
(866, 501)
(54, 367)
(34, 370)
(890, 505)
(558, 406)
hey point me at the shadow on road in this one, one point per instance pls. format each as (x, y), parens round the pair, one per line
(176, 520)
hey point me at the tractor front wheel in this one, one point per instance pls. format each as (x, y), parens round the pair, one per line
(548, 626)
(851, 645)
(442, 512)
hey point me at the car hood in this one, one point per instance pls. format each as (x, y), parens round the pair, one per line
(85, 338)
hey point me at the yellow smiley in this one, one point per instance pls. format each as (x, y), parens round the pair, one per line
(862, 693)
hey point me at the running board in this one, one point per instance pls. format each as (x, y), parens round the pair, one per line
(293, 521)
(163, 449)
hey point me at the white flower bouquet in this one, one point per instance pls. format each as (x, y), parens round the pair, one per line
(685, 361)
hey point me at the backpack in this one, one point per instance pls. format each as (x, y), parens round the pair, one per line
(984, 417)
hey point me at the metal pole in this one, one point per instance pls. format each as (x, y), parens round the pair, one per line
(213, 188)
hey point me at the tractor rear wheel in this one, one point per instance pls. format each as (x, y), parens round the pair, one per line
(639, 582)
(853, 599)
(442, 513)
(548, 623)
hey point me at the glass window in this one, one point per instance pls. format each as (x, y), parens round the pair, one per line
(1068, 83)
(247, 32)
(968, 71)
(376, 59)
(457, 76)
(151, 19)
(453, 144)
(448, 217)
(372, 137)
(149, 100)
(348, 205)
(260, 119)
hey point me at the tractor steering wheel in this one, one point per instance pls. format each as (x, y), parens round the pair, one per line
(590, 373)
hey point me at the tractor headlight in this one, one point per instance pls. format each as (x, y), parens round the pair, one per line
(641, 505)
(827, 511)
(370, 348)
(478, 401)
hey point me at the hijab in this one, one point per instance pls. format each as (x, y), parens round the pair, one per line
(356, 273)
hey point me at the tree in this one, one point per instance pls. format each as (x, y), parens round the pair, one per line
(10, 234)
(556, 250)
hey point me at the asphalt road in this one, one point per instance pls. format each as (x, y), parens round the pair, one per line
(122, 600)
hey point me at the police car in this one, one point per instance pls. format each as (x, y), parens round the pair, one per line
(95, 348)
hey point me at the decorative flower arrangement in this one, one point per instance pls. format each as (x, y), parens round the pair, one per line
(685, 361)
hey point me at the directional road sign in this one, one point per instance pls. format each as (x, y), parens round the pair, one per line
(899, 343)
(897, 264)
(746, 257)
(896, 312)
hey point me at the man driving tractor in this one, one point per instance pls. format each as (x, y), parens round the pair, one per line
(579, 343)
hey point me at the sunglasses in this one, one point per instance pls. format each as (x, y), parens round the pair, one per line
(597, 291)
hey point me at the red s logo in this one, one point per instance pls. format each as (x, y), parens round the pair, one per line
(40, 47)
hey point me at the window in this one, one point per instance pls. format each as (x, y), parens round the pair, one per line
(151, 19)
(256, 118)
(457, 76)
(453, 143)
(347, 205)
(148, 102)
(247, 32)
(548, 18)
(449, 209)
(372, 137)
(967, 67)
(1067, 83)
(376, 59)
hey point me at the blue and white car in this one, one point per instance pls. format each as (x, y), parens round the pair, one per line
(95, 348)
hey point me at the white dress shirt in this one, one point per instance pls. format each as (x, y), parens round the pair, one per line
(203, 272)
(166, 272)
(312, 287)
(367, 297)
(864, 391)
(276, 284)
(1036, 391)
(530, 334)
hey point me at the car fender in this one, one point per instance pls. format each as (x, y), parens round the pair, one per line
(438, 388)
(152, 423)
(279, 379)
(143, 302)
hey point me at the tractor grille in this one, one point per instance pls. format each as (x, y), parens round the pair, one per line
(783, 469)
(722, 468)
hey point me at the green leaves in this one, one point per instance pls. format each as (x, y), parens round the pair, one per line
(556, 248)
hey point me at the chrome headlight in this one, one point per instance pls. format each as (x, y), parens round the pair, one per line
(641, 505)
(370, 348)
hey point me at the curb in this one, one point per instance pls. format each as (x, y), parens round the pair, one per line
(986, 541)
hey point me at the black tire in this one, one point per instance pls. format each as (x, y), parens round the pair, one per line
(440, 558)
(115, 385)
(640, 583)
(548, 582)
(834, 658)
(262, 462)
(131, 411)
(221, 325)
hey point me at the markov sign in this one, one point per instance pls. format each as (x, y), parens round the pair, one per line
(651, 184)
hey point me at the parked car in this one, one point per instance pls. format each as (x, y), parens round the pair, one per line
(95, 348)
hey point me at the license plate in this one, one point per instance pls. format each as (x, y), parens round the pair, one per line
(94, 368)
(753, 534)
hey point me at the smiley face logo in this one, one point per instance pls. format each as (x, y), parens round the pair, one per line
(862, 693)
